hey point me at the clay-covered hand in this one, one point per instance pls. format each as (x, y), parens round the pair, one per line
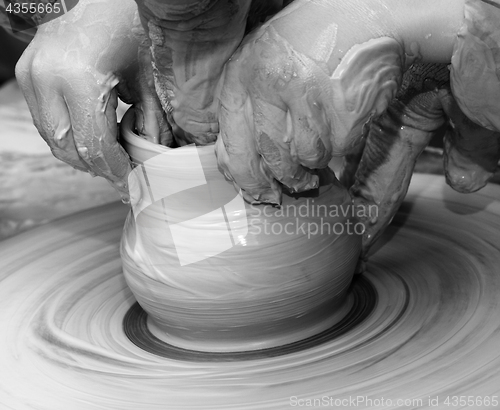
(190, 42)
(71, 74)
(299, 91)
(461, 98)
(325, 79)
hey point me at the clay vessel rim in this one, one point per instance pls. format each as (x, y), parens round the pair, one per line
(130, 137)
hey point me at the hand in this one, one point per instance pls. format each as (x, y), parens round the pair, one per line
(423, 107)
(191, 40)
(287, 106)
(294, 97)
(70, 75)
(461, 97)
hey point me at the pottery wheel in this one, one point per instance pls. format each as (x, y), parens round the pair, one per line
(424, 322)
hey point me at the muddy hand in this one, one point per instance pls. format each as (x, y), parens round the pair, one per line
(468, 109)
(301, 88)
(71, 75)
(190, 42)
(320, 80)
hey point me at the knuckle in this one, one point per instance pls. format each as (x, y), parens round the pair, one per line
(22, 68)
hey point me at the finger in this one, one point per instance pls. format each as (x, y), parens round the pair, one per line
(92, 100)
(300, 89)
(394, 142)
(475, 63)
(308, 129)
(345, 168)
(151, 119)
(23, 77)
(48, 110)
(238, 157)
(236, 150)
(151, 122)
(287, 133)
(471, 152)
(190, 44)
(57, 130)
(271, 135)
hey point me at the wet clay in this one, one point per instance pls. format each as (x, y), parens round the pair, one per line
(215, 273)
(63, 300)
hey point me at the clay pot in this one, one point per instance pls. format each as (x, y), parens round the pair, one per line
(215, 273)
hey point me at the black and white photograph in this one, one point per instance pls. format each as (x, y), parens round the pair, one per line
(249, 204)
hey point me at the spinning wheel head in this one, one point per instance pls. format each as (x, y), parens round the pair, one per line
(423, 321)
(362, 299)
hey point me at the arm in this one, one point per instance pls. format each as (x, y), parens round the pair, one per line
(472, 149)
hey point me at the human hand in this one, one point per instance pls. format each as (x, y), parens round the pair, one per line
(71, 75)
(191, 41)
(288, 106)
(461, 98)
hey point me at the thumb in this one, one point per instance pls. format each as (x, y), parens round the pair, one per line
(91, 99)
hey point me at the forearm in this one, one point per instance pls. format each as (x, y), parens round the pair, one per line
(394, 143)
(190, 43)
(424, 28)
